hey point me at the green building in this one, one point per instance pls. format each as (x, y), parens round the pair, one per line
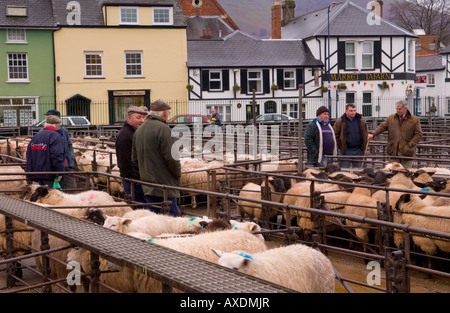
(27, 84)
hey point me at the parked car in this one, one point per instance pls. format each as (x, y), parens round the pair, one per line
(188, 119)
(273, 117)
(70, 121)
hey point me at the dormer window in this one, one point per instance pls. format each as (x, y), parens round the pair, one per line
(162, 16)
(129, 16)
(16, 10)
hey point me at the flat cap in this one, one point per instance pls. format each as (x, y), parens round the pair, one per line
(136, 109)
(53, 112)
(159, 105)
(52, 119)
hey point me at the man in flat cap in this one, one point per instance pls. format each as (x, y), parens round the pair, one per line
(136, 116)
(320, 138)
(45, 153)
(152, 154)
(67, 181)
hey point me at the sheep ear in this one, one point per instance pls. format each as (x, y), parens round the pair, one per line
(217, 252)
(246, 262)
(126, 221)
(253, 226)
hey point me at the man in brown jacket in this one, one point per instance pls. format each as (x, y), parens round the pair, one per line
(351, 136)
(404, 133)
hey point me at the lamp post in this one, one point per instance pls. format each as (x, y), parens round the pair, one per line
(329, 74)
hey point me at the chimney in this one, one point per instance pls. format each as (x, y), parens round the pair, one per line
(288, 11)
(276, 20)
(378, 10)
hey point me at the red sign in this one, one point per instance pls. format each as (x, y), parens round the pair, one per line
(421, 79)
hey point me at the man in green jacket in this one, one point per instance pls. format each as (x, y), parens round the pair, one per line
(152, 154)
(404, 133)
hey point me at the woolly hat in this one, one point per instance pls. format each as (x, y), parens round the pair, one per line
(53, 112)
(52, 119)
(321, 110)
(136, 109)
(159, 105)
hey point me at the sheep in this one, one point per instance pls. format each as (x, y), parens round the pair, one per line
(409, 204)
(297, 267)
(252, 190)
(12, 183)
(194, 175)
(198, 246)
(155, 224)
(361, 196)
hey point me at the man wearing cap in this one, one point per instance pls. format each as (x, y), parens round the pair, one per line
(320, 138)
(152, 154)
(67, 181)
(45, 153)
(136, 116)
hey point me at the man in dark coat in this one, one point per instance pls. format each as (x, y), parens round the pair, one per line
(152, 153)
(45, 153)
(136, 116)
(67, 181)
(351, 136)
(215, 117)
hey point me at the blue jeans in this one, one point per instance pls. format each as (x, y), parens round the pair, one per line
(138, 192)
(174, 211)
(348, 163)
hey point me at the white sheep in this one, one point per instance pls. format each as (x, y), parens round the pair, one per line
(12, 183)
(410, 204)
(297, 267)
(155, 224)
(198, 245)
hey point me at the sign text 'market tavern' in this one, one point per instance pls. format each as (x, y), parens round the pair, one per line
(359, 76)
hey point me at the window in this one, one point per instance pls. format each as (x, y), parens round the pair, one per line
(16, 36)
(133, 64)
(162, 16)
(349, 97)
(17, 67)
(215, 80)
(290, 109)
(418, 47)
(93, 64)
(367, 55)
(432, 46)
(410, 55)
(289, 79)
(430, 80)
(350, 57)
(254, 81)
(16, 10)
(129, 15)
(367, 104)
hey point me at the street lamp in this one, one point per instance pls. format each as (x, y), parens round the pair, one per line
(329, 75)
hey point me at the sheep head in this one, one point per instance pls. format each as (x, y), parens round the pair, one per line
(40, 192)
(404, 198)
(116, 223)
(94, 215)
(237, 260)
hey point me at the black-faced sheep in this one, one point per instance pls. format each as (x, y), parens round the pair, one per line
(409, 204)
(298, 267)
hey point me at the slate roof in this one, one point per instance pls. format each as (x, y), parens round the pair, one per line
(39, 14)
(92, 15)
(241, 50)
(429, 63)
(346, 19)
(446, 50)
(217, 26)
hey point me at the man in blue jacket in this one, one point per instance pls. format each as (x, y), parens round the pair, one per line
(45, 153)
(67, 181)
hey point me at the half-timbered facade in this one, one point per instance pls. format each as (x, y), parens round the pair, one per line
(365, 56)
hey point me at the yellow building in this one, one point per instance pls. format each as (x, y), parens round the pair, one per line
(111, 56)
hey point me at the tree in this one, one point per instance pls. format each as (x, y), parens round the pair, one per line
(433, 16)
